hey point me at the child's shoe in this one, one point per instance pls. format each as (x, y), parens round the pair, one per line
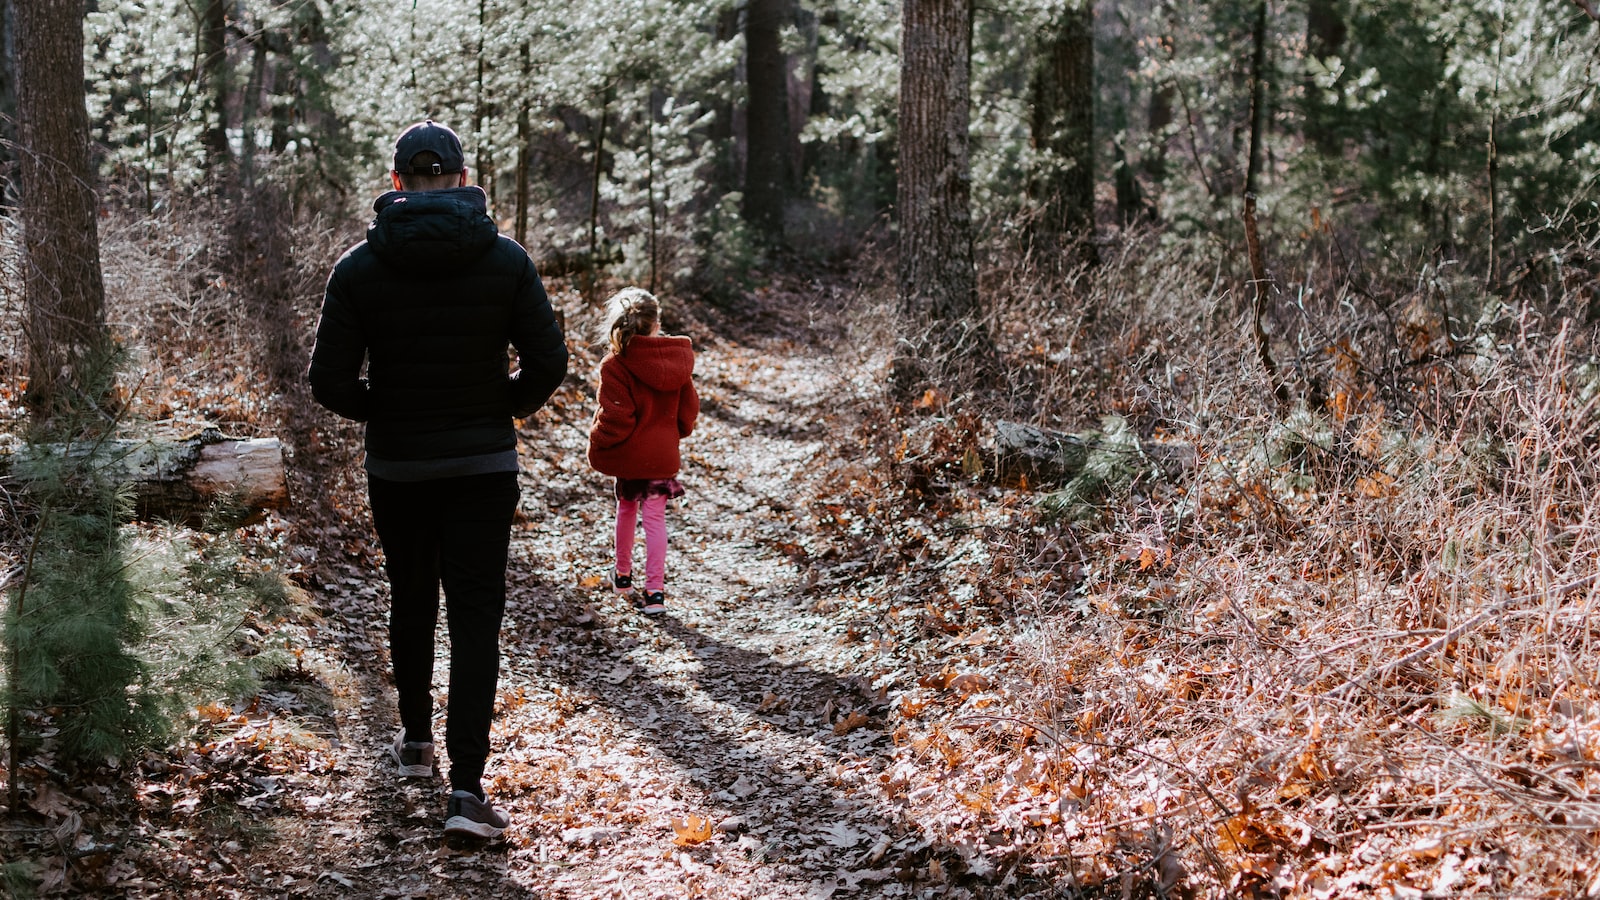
(621, 583)
(654, 603)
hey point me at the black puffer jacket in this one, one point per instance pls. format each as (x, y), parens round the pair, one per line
(430, 300)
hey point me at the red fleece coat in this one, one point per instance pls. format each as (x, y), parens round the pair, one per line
(647, 404)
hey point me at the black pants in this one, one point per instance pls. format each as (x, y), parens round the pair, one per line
(454, 532)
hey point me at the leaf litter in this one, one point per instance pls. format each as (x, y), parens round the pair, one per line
(881, 677)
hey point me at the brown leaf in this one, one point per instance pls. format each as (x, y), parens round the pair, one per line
(968, 684)
(690, 830)
(47, 801)
(850, 723)
(932, 398)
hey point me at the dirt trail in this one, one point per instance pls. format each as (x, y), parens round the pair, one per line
(621, 742)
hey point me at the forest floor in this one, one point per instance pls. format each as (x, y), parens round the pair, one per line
(888, 671)
(754, 742)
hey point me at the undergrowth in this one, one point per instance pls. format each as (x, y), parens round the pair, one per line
(1347, 646)
(128, 638)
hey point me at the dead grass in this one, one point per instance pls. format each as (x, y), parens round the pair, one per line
(1347, 652)
(1350, 651)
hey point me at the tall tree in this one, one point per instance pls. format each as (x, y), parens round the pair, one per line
(1325, 36)
(1258, 99)
(767, 117)
(938, 294)
(66, 330)
(213, 75)
(1063, 120)
(8, 81)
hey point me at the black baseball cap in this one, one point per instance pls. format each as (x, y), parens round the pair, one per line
(428, 137)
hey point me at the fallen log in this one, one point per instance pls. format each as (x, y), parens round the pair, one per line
(1037, 457)
(175, 478)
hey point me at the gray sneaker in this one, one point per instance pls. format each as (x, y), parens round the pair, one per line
(466, 814)
(414, 759)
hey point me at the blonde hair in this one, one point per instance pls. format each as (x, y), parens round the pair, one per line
(630, 312)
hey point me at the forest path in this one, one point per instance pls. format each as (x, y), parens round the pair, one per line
(732, 748)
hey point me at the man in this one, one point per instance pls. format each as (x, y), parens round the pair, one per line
(430, 301)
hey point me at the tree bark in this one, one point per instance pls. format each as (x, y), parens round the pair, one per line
(179, 479)
(8, 81)
(650, 176)
(524, 135)
(213, 64)
(767, 118)
(726, 168)
(480, 111)
(1040, 458)
(591, 280)
(68, 343)
(1325, 35)
(1063, 121)
(250, 109)
(1258, 98)
(1262, 285)
(938, 297)
(1158, 121)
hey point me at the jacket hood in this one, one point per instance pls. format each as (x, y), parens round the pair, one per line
(431, 231)
(660, 361)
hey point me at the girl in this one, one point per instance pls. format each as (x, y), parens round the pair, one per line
(647, 404)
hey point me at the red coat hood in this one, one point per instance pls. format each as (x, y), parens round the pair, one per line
(661, 361)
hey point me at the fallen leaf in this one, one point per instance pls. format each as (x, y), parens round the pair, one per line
(932, 398)
(47, 801)
(690, 830)
(591, 836)
(969, 684)
(851, 722)
(743, 788)
(840, 834)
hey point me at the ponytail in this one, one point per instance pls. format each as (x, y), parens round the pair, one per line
(630, 312)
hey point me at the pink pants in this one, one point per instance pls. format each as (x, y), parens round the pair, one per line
(655, 539)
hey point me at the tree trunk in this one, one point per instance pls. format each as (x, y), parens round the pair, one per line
(176, 478)
(726, 170)
(803, 91)
(213, 65)
(68, 344)
(650, 176)
(767, 118)
(938, 295)
(250, 109)
(480, 111)
(1492, 148)
(8, 82)
(1063, 121)
(1158, 121)
(1262, 284)
(524, 135)
(1258, 98)
(591, 278)
(1325, 35)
